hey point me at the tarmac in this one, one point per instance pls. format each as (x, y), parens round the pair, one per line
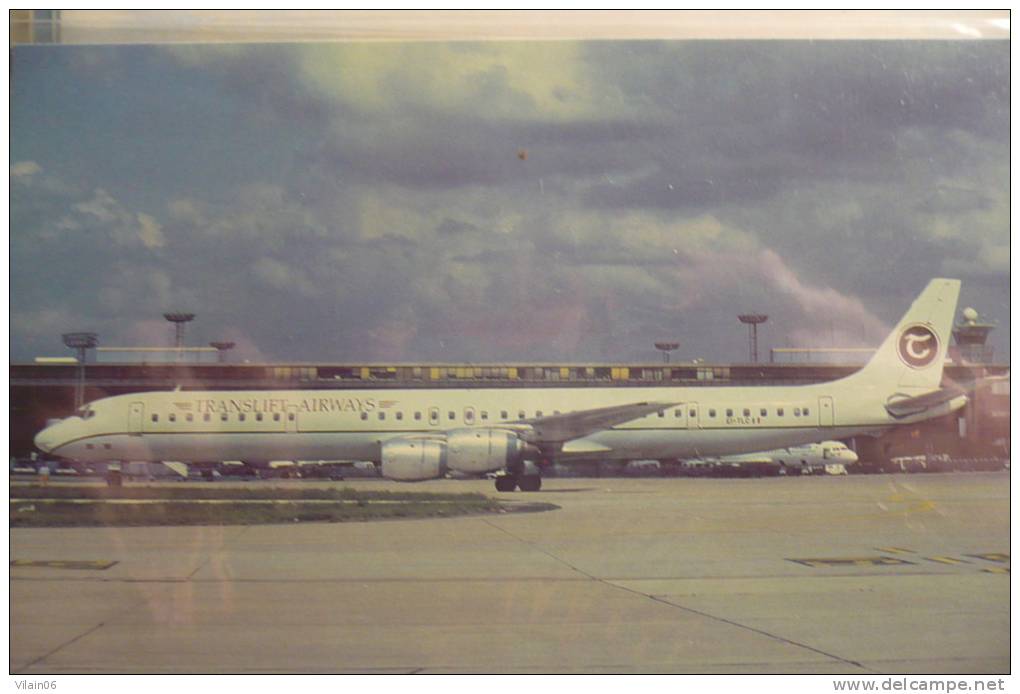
(858, 575)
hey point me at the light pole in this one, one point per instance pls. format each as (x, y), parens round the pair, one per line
(179, 319)
(221, 349)
(666, 348)
(752, 320)
(80, 342)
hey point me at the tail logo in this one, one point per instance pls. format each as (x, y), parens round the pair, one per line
(918, 346)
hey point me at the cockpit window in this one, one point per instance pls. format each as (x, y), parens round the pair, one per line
(86, 412)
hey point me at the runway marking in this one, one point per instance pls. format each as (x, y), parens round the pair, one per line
(896, 550)
(996, 570)
(851, 561)
(947, 560)
(991, 556)
(61, 564)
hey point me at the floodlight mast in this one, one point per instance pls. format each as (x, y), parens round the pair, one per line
(666, 348)
(80, 342)
(221, 349)
(752, 320)
(179, 319)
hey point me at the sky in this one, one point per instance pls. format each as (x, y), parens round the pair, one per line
(504, 202)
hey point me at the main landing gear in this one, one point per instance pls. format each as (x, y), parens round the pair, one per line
(526, 483)
(524, 476)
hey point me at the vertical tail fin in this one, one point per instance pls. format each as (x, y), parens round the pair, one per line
(913, 354)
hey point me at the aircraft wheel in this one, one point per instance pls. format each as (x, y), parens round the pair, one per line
(530, 483)
(506, 483)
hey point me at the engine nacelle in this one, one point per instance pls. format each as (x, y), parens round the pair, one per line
(412, 460)
(476, 451)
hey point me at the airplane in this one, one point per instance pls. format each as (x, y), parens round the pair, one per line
(801, 458)
(419, 434)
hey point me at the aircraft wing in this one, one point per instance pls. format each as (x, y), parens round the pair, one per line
(558, 428)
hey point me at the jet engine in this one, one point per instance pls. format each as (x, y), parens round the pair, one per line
(477, 451)
(412, 460)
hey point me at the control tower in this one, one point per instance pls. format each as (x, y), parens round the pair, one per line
(971, 336)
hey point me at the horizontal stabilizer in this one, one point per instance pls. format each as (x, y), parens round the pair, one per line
(907, 407)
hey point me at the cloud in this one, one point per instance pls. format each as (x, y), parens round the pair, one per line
(24, 169)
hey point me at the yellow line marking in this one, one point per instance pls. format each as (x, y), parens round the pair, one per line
(991, 556)
(947, 560)
(996, 570)
(851, 561)
(895, 550)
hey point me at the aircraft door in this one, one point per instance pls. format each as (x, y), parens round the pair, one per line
(136, 413)
(825, 415)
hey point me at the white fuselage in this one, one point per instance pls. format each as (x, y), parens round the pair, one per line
(259, 426)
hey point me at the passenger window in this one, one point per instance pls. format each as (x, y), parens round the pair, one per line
(747, 412)
(241, 417)
(155, 417)
(223, 417)
(806, 413)
(484, 415)
(400, 415)
(417, 416)
(662, 413)
(729, 412)
(796, 411)
(779, 411)
(190, 417)
(503, 414)
(693, 412)
(173, 417)
(206, 417)
(711, 413)
(276, 416)
(520, 415)
(364, 416)
(290, 416)
(382, 416)
(538, 413)
(763, 412)
(258, 417)
(451, 414)
(678, 413)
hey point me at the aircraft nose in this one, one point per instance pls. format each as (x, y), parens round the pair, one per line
(852, 457)
(48, 439)
(44, 440)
